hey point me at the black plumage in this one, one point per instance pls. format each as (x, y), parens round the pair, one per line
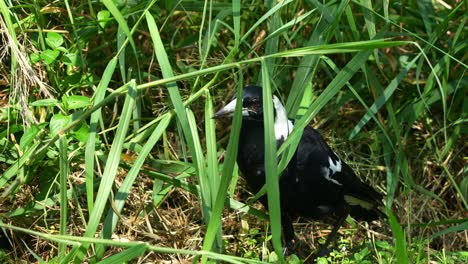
(316, 184)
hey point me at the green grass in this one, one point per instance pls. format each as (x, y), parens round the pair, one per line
(109, 153)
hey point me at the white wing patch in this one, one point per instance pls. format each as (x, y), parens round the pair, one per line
(333, 168)
(283, 126)
(326, 174)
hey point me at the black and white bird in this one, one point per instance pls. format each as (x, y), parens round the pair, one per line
(317, 184)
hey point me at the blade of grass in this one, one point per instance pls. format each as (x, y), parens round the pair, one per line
(306, 69)
(271, 169)
(126, 255)
(76, 240)
(229, 161)
(122, 194)
(271, 47)
(427, 14)
(172, 87)
(109, 171)
(400, 241)
(330, 91)
(236, 16)
(268, 14)
(211, 151)
(285, 27)
(63, 152)
(379, 102)
(109, 4)
(461, 227)
(93, 122)
(188, 127)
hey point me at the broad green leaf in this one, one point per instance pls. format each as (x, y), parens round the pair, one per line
(29, 136)
(35, 57)
(71, 59)
(49, 56)
(45, 102)
(58, 122)
(81, 132)
(76, 101)
(54, 40)
(103, 17)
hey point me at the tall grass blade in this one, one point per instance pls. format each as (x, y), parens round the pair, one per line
(63, 150)
(306, 69)
(122, 194)
(109, 171)
(330, 91)
(228, 166)
(271, 169)
(400, 240)
(121, 21)
(379, 102)
(236, 17)
(211, 150)
(273, 10)
(93, 125)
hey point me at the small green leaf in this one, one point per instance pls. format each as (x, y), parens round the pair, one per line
(103, 16)
(81, 132)
(58, 122)
(45, 102)
(71, 59)
(76, 101)
(294, 259)
(28, 136)
(54, 40)
(49, 56)
(35, 57)
(322, 260)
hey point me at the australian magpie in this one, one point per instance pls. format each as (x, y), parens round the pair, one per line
(316, 184)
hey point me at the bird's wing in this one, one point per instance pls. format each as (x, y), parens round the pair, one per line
(335, 170)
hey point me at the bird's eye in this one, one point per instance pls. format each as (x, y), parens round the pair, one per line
(254, 102)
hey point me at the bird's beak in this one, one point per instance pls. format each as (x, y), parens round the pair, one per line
(227, 110)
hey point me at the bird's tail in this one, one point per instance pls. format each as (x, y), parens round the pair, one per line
(365, 206)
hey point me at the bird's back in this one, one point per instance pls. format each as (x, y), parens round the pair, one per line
(322, 184)
(310, 187)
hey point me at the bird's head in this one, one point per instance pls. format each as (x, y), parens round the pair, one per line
(252, 109)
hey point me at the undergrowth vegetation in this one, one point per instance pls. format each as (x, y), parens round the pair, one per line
(109, 153)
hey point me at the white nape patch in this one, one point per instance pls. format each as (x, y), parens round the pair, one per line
(351, 200)
(326, 174)
(283, 126)
(334, 167)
